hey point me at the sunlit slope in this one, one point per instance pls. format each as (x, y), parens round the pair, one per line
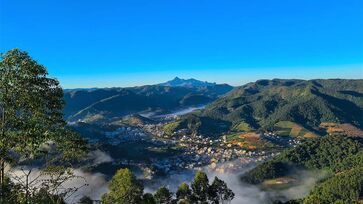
(262, 105)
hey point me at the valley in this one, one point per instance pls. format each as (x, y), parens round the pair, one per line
(181, 102)
(158, 144)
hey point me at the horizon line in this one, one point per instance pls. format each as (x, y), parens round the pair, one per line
(270, 79)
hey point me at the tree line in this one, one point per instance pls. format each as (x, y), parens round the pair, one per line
(124, 188)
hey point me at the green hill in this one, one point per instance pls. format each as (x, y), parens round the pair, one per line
(263, 104)
(345, 187)
(135, 120)
(340, 157)
(333, 153)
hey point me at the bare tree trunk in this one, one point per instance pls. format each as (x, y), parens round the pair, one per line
(27, 187)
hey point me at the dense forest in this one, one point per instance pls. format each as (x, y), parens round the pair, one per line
(341, 157)
(262, 104)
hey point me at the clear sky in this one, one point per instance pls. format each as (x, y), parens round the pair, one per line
(89, 43)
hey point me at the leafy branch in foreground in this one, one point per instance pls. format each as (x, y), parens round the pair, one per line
(31, 105)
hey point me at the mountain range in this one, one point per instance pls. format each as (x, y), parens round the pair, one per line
(104, 103)
(187, 83)
(263, 104)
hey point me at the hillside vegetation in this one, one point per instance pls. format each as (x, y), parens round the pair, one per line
(262, 105)
(341, 157)
(334, 153)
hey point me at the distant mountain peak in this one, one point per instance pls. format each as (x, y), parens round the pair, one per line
(187, 83)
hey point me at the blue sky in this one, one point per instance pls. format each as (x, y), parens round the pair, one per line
(88, 43)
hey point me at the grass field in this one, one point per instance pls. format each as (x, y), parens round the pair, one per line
(341, 129)
(242, 127)
(279, 183)
(288, 128)
(248, 140)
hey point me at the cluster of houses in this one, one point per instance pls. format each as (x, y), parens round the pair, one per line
(198, 151)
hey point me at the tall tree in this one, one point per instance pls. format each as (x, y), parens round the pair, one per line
(31, 106)
(163, 196)
(124, 188)
(200, 187)
(183, 192)
(219, 192)
(148, 198)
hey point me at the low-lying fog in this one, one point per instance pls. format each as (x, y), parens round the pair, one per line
(173, 114)
(95, 184)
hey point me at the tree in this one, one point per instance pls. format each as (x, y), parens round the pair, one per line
(200, 187)
(148, 198)
(183, 192)
(31, 106)
(42, 196)
(124, 188)
(219, 192)
(163, 196)
(11, 192)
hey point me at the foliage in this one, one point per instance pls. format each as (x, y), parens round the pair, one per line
(170, 127)
(242, 126)
(184, 192)
(31, 105)
(268, 170)
(219, 192)
(200, 186)
(327, 152)
(44, 197)
(10, 192)
(200, 125)
(15, 195)
(342, 156)
(148, 198)
(163, 196)
(124, 188)
(333, 153)
(264, 103)
(344, 188)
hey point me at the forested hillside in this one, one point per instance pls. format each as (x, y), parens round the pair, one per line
(264, 103)
(340, 157)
